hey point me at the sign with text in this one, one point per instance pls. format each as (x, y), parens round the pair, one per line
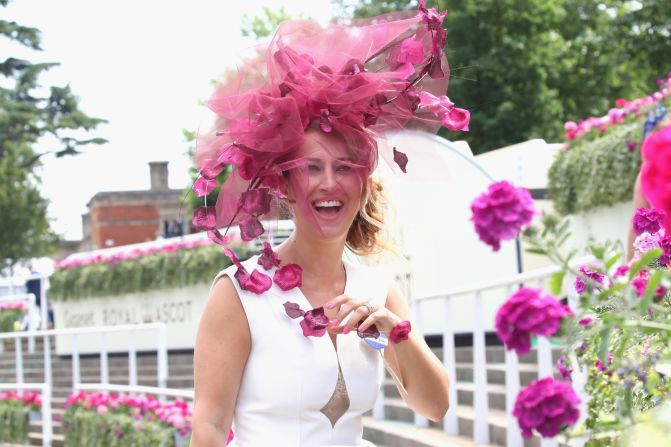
(180, 309)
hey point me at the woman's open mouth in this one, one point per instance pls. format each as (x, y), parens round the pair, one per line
(327, 208)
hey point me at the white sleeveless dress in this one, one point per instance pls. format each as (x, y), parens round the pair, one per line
(292, 382)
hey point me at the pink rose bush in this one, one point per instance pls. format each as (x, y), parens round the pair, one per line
(15, 408)
(500, 213)
(546, 406)
(528, 312)
(118, 420)
(10, 313)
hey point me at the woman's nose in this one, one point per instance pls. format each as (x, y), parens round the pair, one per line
(328, 180)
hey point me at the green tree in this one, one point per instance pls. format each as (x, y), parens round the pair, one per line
(264, 25)
(523, 67)
(25, 118)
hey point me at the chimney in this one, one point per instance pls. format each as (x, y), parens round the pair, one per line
(159, 175)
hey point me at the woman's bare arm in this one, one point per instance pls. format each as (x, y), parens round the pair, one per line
(222, 348)
(421, 373)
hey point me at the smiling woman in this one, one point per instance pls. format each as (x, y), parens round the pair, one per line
(306, 138)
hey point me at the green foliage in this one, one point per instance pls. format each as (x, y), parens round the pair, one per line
(151, 272)
(625, 352)
(523, 67)
(265, 25)
(86, 427)
(13, 422)
(597, 172)
(8, 317)
(24, 119)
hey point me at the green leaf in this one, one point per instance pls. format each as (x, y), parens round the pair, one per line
(537, 251)
(650, 290)
(555, 283)
(645, 260)
(611, 262)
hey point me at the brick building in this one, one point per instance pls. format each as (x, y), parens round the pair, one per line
(126, 217)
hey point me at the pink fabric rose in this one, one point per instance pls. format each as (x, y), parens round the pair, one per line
(314, 323)
(400, 332)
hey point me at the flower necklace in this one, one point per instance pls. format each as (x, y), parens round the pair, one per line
(313, 322)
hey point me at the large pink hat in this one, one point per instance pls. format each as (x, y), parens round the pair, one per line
(358, 81)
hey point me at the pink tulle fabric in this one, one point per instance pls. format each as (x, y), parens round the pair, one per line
(355, 82)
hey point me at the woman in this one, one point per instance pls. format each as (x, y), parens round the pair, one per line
(307, 138)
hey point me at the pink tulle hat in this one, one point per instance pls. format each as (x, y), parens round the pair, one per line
(357, 82)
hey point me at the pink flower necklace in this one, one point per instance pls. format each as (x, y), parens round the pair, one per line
(313, 322)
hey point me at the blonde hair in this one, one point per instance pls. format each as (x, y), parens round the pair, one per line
(364, 235)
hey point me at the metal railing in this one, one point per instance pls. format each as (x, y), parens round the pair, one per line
(32, 305)
(45, 390)
(103, 331)
(481, 433)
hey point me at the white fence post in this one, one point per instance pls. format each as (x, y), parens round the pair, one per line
(162, 357)
(480, 398)
(132, 360)
(47, 426)
(18, 357)
(76, 376)
(451, 421)
(104, 367)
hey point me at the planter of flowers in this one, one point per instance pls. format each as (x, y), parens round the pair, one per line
(110, 420)
(15, 410)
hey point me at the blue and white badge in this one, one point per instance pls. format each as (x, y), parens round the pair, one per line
(380, 342)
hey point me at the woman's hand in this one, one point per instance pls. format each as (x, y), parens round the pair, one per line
(362, 315)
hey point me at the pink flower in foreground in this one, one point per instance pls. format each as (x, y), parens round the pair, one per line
(580, 285)
(528, 311)
(640, 283)
(547, 406)
(501, 212)
(563, 367)
(646, 241)
(647, 220)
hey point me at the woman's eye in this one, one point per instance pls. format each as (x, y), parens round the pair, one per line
(314, 168)
(343, 168)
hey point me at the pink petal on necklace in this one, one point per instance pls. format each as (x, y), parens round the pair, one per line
(205, 217)
(268, 258)
(250, 229)
(255, 201)
(293, 310)
(400, 159)
(289, 276)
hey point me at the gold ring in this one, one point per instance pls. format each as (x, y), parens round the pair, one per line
(370, 308)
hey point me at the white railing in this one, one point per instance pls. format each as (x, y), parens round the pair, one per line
(536, 278)
(28, 298)
(45, 390)
(161, 357)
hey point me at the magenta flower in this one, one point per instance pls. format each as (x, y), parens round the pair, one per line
(665, 245)
(547, 406)
(288, 276)
(314, 322)
(528, 311)
(563, 367)
(501, 212)
(621, 271)
(268, 258)
(580, 285)
(585, 321)
(647, 220)
(256, 283)
(640, 283)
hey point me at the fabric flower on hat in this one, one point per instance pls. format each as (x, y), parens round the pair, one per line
(528, 311)
(656, 174)
(546, 406)
(501, 212)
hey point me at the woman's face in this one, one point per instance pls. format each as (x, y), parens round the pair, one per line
(327, 186)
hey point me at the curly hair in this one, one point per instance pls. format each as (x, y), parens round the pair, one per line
(363, 237)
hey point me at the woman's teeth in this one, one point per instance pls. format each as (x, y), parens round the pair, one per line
(328, 204)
